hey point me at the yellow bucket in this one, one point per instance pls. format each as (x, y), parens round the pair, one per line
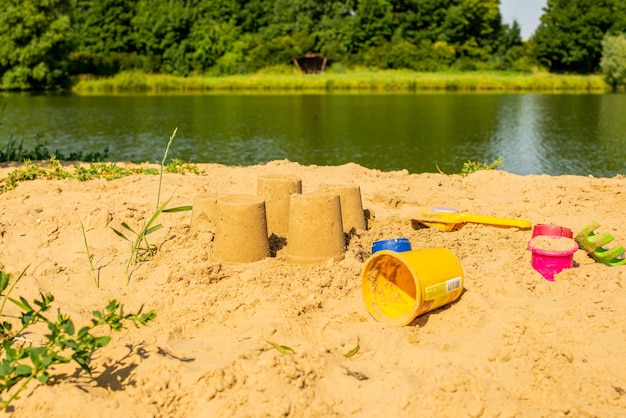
(400, 286)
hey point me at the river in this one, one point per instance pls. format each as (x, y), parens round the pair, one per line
(555, 134)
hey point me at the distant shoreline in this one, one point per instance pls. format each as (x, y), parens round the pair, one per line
(374, 81)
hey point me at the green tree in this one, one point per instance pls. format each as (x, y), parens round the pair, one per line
(34, 43)
(473, 27)
(613, 62)
(161, 29)
(213, 32)
(570, 34)
(295, 27)
(512, 53)
(102, 37)
(370, 24)
(441, 31)
(509, 37)
(252, 15)
(103, 26)
(330, 34)
(289, 32)
(419, 20)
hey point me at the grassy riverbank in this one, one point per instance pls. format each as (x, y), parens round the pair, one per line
(352, 81)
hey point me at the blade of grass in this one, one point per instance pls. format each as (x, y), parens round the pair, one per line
(119, 234)
(131, 258)
(178, 209)
(156, 215)
(352, 352)
(283, 349)
(167, 149)
(91, 269)
(151, 230)
(15, 282)
(125, 225)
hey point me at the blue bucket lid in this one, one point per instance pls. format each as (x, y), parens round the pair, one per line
(395, 244)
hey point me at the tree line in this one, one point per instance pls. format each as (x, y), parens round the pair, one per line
(45, 42)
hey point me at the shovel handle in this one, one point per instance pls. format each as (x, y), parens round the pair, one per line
(492, 220)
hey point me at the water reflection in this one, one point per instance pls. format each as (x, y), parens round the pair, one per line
(518, 137)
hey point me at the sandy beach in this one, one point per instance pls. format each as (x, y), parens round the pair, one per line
(512, 345)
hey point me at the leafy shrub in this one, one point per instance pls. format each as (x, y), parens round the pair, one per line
(426, 56)
(336, 68)
(473, 166)
(14, 150)
(23, 360)
(279, 69)
(109, 64)
(464, 64)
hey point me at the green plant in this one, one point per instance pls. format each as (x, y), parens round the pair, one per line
(14, 150)
(140, 248)
(473, 166)
(108, 171)
(23, 360)
(53, 169)
(180, 167)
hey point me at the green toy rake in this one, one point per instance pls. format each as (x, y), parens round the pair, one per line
(594, 244)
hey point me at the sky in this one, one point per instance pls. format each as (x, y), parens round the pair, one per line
(526, 12)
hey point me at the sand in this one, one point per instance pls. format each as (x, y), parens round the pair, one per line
(554, 244)
(512, 345)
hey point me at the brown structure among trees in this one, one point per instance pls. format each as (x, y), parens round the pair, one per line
(311, 63)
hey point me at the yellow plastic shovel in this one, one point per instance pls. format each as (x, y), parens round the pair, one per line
(449, 219)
